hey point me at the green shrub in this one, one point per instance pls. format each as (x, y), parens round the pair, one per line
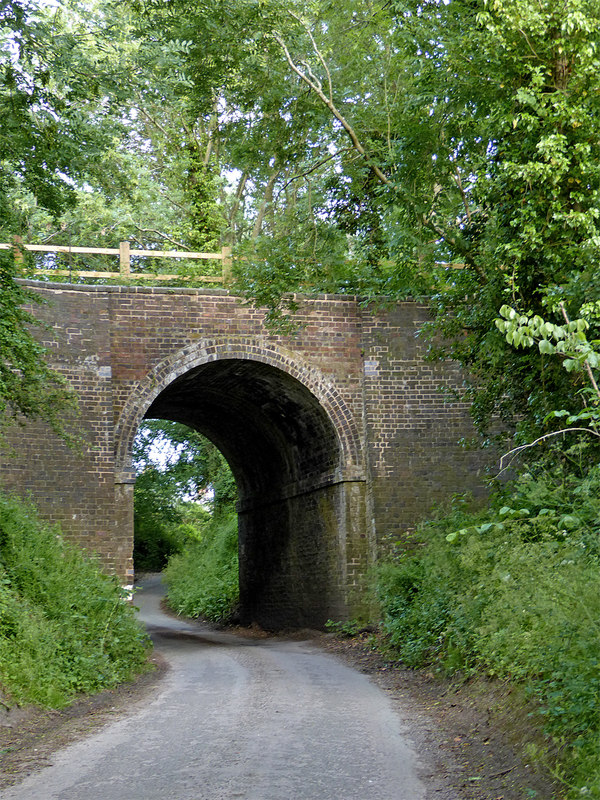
(158, 535)
(64, 625)
(515, 591)
(202, 581)
(155, 541)
(156, 519)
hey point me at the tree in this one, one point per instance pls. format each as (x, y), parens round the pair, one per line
(460, 133)
(182, 480)
(86, 155)
(52, 110)
(28, 386)
(307, 208)
(522, 167)
(185, 463)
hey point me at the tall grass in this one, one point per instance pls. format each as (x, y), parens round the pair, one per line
(202, 581)
(514, 591)
(64, 625)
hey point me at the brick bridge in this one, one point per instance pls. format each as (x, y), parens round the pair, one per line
(338, 436)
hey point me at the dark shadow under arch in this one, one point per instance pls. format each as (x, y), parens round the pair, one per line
(286, 456)
(186, 361)
(271, 429)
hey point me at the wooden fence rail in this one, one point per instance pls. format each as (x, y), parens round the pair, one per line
(125, 253)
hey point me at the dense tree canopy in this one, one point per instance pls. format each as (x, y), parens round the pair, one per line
(446, 148)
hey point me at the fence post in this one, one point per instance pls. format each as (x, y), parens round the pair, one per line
(17, 243)
(226, 265)
(124, 260)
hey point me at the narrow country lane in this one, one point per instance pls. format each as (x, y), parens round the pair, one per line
(239, 718)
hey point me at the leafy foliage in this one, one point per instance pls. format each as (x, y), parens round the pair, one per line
(28, 386)
(86, 156)
(177, 467)
(65, 627)
(203, 580)
(515, 150)
(156, 530)
(188, 463)
(51, 101)
(513, 590)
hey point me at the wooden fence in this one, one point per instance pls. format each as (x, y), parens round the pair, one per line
(125, 253)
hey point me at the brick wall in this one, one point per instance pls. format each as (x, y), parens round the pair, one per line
(337, 435)
(412, 427)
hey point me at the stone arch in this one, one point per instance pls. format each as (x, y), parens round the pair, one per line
(199, 354)
(294, 449)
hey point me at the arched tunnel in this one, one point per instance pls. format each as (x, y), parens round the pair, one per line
(285, 454)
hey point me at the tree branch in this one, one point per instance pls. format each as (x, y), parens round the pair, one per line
(458, 182)
(524, 34)
(173, 202)
(162, 235)
(238, 196)
(152, 121)
(428, 222)
(522, 447)
(268, 198)
(318, 52)
(190, 133)
(308, 171)
(315, 85)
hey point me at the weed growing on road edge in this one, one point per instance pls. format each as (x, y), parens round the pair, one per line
(64, 625)
(346, 629)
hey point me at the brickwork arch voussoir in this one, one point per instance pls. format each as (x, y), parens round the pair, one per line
(190, 357)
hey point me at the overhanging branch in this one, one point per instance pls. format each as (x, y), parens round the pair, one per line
(310, 80)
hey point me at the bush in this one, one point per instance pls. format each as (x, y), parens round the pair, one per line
(155, 541)
(202, 581)
(64, 625)
(513, 590)
(156, 519)
(158, 535)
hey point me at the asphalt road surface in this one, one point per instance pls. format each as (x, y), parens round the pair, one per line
(239, 718)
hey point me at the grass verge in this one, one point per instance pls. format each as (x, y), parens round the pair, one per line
(202, 581)
(64, 626)
(513, 592)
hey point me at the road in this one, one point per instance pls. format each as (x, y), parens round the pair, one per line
(239, 718)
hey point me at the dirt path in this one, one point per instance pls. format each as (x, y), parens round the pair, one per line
(460, 737)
